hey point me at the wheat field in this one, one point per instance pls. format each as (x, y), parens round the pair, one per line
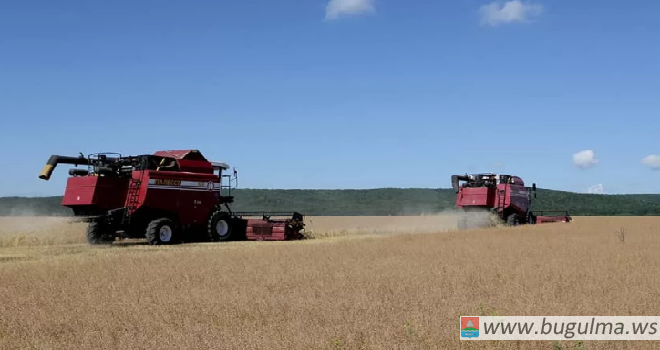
(361, 283)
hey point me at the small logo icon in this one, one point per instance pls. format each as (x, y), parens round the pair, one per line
(469, 327)
(210, 186)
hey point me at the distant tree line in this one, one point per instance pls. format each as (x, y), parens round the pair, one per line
(384, 201)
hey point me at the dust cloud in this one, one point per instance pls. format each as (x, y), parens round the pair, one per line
(424, 223)
(24, 228)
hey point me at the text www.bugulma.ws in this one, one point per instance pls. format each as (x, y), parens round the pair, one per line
(570, 329)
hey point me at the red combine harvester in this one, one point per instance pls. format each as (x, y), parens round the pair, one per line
(168, 197)
(505, 196)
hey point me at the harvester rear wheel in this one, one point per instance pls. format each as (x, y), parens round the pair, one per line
(96, 233)
(161, 231)
(220, 227)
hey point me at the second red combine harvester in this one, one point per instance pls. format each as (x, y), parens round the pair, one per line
(166, 197)
(505, 196)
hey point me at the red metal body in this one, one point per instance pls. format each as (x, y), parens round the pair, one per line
(269, 230)
(512, 195)
(104, 193)
(261, 226)
(168, 196)
(541, 219)
(503, 195)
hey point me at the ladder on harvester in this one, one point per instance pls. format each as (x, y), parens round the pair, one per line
(501, 200)
(133, 198)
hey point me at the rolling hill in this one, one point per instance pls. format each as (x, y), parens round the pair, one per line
(381, 201)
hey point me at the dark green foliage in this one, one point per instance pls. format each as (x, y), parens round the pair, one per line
(383, 201)
(598, 205)
(32, 206)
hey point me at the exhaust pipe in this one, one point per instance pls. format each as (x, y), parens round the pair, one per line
(54, 160)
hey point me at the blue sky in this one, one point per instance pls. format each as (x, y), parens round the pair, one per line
(337, 94)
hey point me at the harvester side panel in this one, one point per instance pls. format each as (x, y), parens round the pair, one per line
(198, 167)
(95, 191)
(191, 195)
(516, 198)
(476, 197)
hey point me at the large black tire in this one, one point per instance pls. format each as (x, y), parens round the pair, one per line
(531, 219)
(161, 231)
(513, 220)
(220, 227)
(96, 233)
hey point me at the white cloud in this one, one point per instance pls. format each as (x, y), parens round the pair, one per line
(597, 189)
(652, 161)
(495, 13)
(584, 159)
(338, 8)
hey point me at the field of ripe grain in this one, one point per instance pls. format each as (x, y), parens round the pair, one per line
(328, 226)
(386, 289)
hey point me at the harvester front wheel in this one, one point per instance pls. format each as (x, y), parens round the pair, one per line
(96, 233)
(161, 231)
(220, 227)
(513, 220)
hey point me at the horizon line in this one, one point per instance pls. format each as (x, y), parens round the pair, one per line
(362, 189)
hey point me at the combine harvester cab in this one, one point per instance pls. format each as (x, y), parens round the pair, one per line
(166, 197)
(490, 199)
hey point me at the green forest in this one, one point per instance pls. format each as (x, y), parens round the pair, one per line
(383, 201)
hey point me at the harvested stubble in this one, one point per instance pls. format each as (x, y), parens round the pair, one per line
(399, 291)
